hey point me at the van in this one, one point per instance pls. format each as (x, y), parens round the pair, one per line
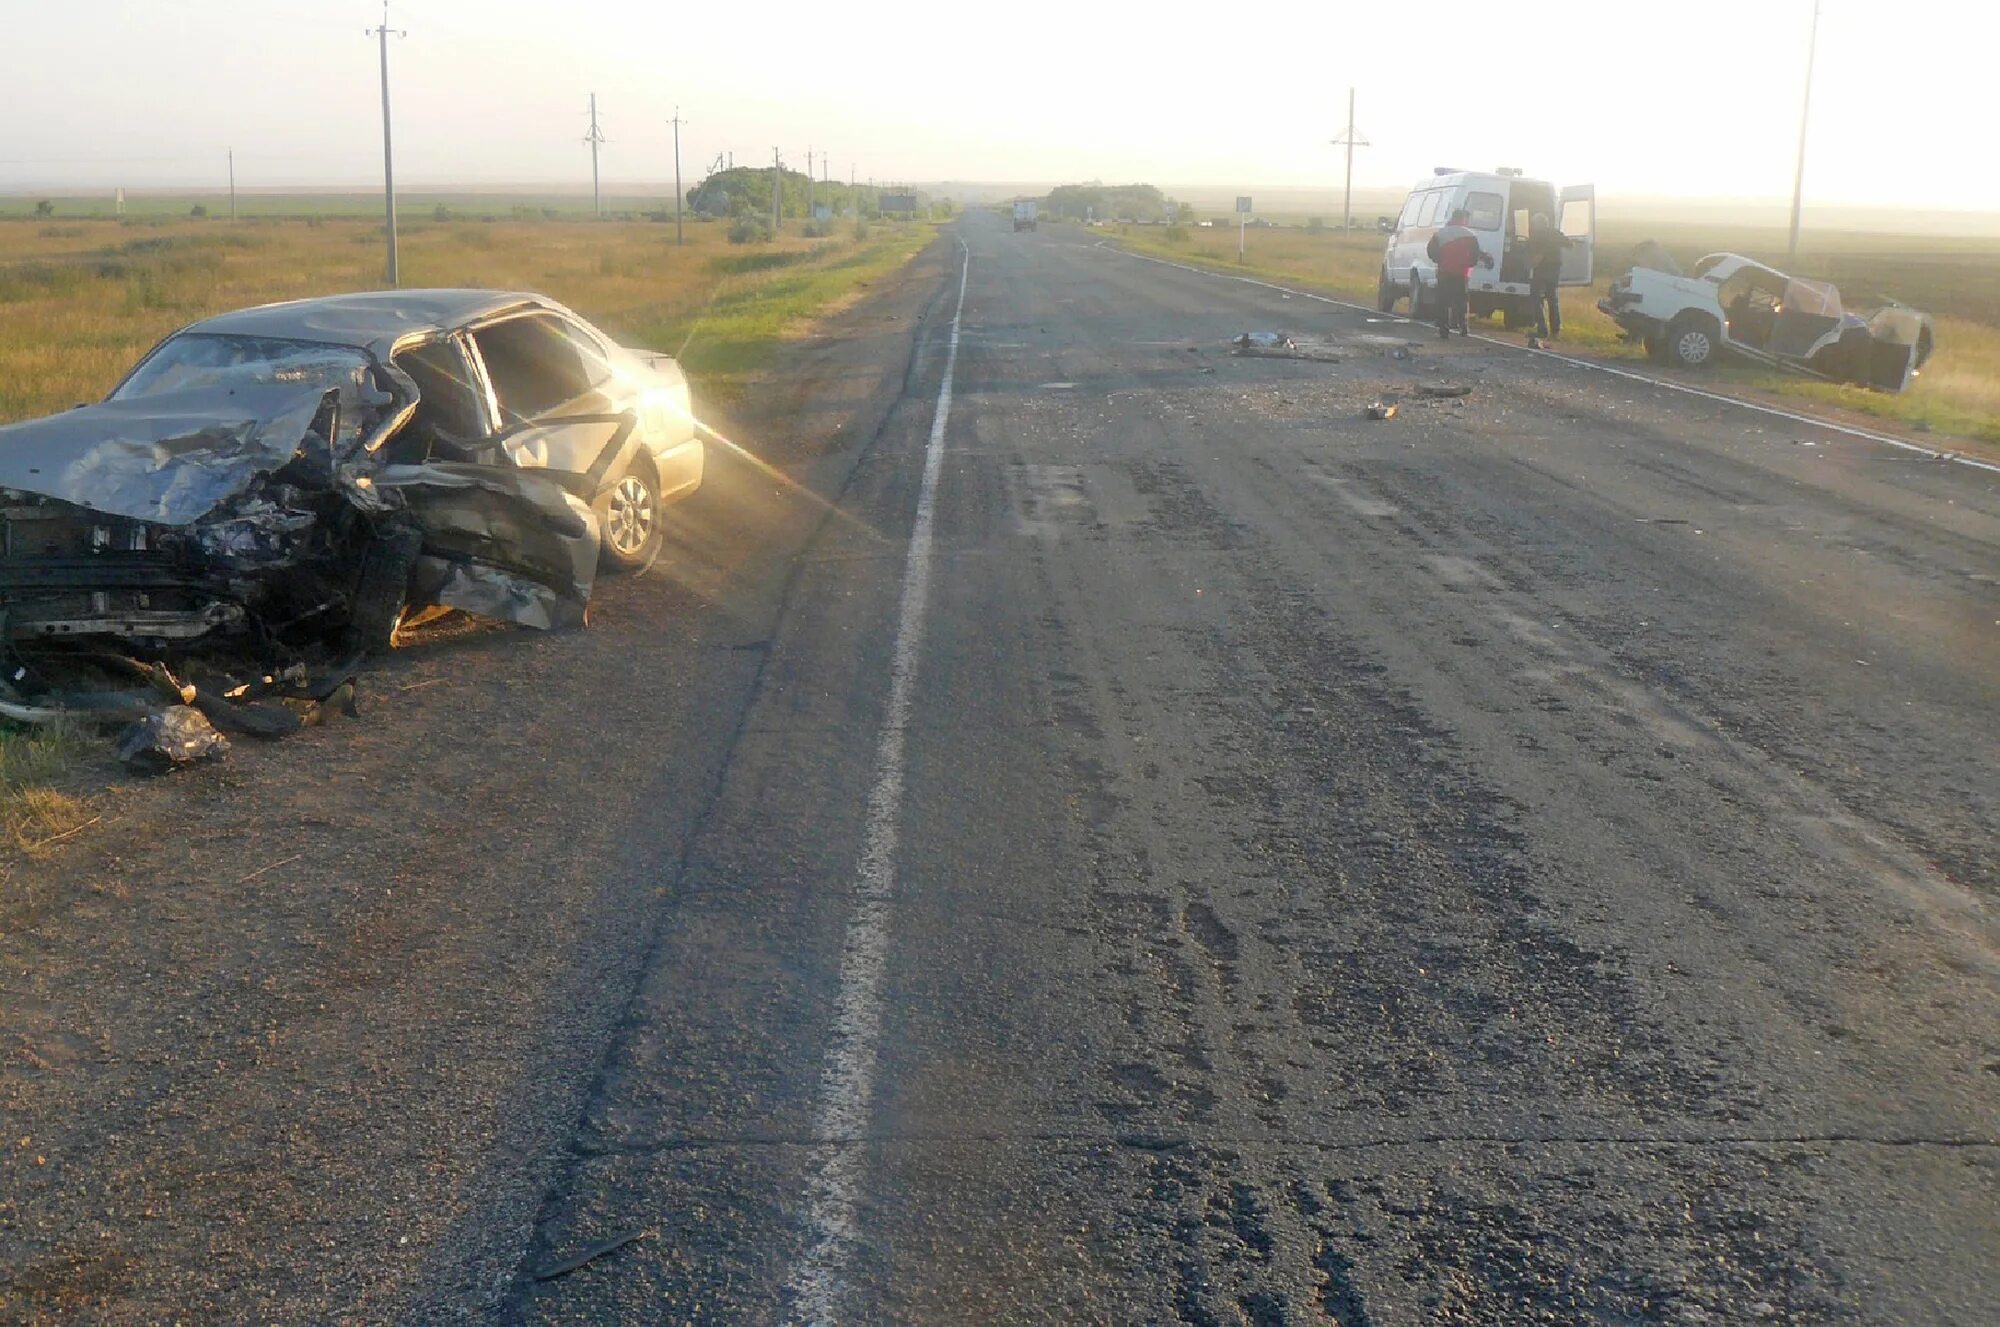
(1499, 206)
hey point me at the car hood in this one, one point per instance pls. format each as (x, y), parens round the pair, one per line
(169, 459)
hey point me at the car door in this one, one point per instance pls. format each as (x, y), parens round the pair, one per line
(552, 388)
(1578, 206)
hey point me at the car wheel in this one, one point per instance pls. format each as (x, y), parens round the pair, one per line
(1515, 315)
(1417, 309)
(1386, 295)
(628, 517)
(381, 589)
(1691, 340)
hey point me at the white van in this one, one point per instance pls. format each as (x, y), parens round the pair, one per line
(1500, 206)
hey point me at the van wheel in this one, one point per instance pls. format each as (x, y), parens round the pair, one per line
(1417, 301)
(1692, 339)
(1386, 295)
(1514, 315)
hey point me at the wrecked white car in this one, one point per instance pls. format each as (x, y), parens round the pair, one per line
(308, 471)
(1736, 306)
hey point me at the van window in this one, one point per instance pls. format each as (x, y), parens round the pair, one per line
(1429, 214)
(1486, 210)
(1411, 206)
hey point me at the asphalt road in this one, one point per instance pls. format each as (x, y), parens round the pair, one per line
(1124, 839)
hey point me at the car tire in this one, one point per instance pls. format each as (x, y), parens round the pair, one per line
(1417, 302)
(1386, 295)
(382, 588)
(1515, 315)
(629, 522)
(1692, 340)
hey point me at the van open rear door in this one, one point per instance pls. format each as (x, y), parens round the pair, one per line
(1578, 205)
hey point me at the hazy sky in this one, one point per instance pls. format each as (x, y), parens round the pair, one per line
(105, 92)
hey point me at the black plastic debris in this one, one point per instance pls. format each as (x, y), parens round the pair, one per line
(168, 739)
(1378, 410)
(586, 1255)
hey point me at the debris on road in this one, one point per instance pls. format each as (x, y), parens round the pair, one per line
(169, 739)
(590, 1253)
(1438, 392)
(1379, 410)
(1281, 345)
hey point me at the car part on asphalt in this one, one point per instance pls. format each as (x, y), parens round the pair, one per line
(169, 739)
(1379, 410)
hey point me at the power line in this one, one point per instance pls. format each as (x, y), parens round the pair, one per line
(595, 138)
(677, 122)
(1350, 141)
(388, 156)
(1805, 114)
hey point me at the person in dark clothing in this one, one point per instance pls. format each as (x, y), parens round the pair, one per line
(1455, 250)
(1545, 255)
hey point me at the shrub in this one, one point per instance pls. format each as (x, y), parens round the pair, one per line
(817, 229)
(860, 229)
(748, 230)
(45, 208)
(1177, 234)
(440, 213)
(198, 210)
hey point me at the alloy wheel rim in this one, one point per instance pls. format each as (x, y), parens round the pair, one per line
(631, 516)
(1694, 347)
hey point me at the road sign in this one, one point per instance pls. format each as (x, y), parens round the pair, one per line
(1243, 202)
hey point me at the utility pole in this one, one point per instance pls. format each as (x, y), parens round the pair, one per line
(777, 187)
(388, 156)
(595, 139)
(1350, 141)
(810, 214)
(1805, 114)
(677, 122)
(232, 184)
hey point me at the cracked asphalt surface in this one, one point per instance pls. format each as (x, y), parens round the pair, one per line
(1530, 860)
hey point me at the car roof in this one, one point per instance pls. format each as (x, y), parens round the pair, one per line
(374, 320)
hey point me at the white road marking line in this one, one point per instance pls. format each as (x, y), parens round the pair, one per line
(847, 1082)
(1671, 386)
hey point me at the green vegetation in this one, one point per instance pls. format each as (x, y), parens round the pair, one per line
(1957, 280)
(38, 807)
(1127, 202)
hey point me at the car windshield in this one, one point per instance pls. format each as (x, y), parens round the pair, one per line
(199, 359)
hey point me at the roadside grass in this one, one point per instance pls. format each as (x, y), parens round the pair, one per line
(80, 301)
(37, 807)
(1956, 280)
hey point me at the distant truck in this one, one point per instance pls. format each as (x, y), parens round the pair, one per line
(1024, 214)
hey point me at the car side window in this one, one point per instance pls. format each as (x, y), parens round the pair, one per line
(448, 413)
(536, 363)
(1428, 212)
(1411, 206)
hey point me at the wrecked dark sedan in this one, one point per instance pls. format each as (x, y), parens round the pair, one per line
(310, 471)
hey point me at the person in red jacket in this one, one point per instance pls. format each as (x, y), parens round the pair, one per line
(1455, 250)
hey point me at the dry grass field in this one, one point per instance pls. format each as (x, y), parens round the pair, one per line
(1958, 281)
(81, 300)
